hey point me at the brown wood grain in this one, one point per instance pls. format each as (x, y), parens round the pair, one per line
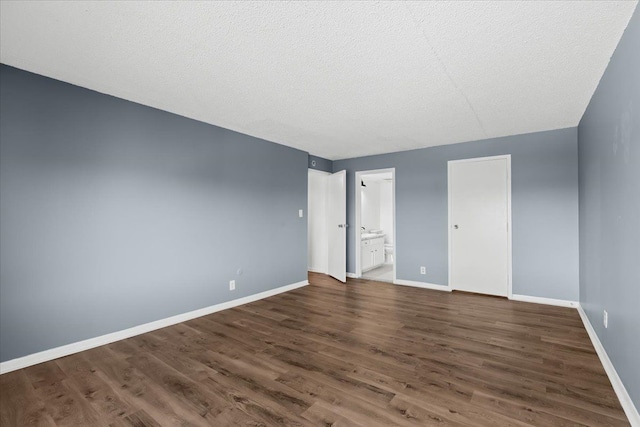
(361, 354)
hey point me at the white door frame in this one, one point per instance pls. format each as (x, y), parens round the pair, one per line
(358, 195)
(450, 225)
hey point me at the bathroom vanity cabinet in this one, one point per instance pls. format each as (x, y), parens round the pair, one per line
(372, 253)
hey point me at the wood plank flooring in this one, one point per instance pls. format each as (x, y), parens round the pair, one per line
(361, 354)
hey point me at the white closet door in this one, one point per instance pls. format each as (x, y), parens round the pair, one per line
(479, 198)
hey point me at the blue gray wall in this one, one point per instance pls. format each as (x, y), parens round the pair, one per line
(321, 163)
(609, 156)
(113, 214)
(544, 169)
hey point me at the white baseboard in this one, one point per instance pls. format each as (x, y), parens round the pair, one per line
(423, 285)
(625, 400)
(546, 301)
(65, 350)
(315, 270)
(352, 275)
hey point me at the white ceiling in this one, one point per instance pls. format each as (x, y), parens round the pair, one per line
(336, 79)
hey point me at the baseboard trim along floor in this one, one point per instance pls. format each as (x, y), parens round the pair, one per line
(65, 350)
(625, 400)
(546, 301)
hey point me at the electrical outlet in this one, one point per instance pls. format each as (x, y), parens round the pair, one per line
(300, 213)
(605, 319)
(232, 285)
(423, 270)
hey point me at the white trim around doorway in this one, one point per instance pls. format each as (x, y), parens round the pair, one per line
(358, 198)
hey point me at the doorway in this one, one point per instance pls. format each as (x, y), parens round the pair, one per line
(480, 225)
(375, 225)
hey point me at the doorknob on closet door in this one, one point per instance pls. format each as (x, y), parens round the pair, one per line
(455, 226)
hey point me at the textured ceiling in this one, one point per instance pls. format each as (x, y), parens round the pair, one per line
(336, 79)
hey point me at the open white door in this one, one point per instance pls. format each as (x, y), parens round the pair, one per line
(479, 216)
(337, 224)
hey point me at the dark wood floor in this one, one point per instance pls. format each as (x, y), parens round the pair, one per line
(364, 354)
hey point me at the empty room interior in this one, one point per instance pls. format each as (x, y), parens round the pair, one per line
(275, 213)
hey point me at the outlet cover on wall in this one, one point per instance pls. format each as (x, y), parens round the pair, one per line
(423, 270)
(300, 213)
(605, 319)
(232, 285)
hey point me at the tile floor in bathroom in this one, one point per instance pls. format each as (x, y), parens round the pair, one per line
(384, 273)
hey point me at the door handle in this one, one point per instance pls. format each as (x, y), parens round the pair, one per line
(455, 226)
